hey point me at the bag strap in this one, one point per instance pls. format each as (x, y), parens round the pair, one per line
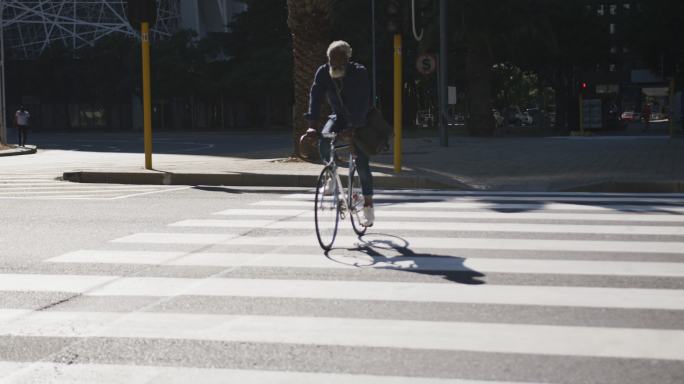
(339, 97)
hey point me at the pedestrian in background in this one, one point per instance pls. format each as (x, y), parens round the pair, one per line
(22, 121)
(646, 115)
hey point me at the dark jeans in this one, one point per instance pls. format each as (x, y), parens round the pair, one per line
(362, 165)
(22, 132)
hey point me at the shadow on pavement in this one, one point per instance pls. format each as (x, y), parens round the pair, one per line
(405, 259)
(235, 191)
(499, 205)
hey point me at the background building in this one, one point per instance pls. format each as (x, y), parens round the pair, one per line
(30, 28)
(622, 80)
(206, 16)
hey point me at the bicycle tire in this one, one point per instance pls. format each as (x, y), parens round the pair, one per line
(355, 199)
(326, 209)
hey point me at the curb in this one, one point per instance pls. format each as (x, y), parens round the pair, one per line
(631, 187)
(18, 151)
(241, 179)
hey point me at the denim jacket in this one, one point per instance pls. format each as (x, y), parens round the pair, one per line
(354, 90)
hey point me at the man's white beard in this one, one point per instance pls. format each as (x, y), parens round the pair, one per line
(337, 73)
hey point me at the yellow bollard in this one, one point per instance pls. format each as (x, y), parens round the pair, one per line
(397, 103)
(147, 94)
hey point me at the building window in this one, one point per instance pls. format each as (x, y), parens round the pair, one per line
(612, 28)
(613, 9)
(612, 67)
(613, 49)
(626, 6)
(600, 10)
(625, 50)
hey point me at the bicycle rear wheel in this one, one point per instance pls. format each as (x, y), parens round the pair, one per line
(356, 201)
(327, 208)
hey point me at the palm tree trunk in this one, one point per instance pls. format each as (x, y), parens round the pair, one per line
(310, 25)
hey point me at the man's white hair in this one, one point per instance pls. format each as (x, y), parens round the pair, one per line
(340, 45)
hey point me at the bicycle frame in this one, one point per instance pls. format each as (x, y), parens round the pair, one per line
(333, 165)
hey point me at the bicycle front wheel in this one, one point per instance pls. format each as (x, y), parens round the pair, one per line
(327, 208)
(355, 202)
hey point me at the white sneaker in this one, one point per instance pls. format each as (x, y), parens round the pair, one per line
(368, 217)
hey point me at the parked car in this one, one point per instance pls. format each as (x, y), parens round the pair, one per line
(526, 118)
(657, 116)
(630, 116)
(512, 115)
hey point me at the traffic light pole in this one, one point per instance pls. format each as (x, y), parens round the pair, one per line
(443, 76)
(672, 118)
(581, 114)
(147, 93)
(397, 103)
(375, 95)
(3, 113)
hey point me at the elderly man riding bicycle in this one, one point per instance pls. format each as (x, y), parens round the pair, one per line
(345, 84)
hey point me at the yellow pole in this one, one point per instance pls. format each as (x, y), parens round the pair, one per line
(581, 115)
(397, 103)
(672, 86)
(147, 94)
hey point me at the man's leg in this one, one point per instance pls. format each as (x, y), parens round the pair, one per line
(324, 143)
(366, 178)
(363, 168)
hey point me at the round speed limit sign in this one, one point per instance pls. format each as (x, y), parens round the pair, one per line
(426, 63)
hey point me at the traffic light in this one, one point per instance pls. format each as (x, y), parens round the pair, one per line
(139, 11)
(425, 12)
(393, 16)
(583, 88)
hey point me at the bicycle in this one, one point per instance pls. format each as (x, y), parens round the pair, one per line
(332, 201)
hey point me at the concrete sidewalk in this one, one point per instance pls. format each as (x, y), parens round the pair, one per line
(595, 163)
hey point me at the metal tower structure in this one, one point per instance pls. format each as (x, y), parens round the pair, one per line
(30, 26)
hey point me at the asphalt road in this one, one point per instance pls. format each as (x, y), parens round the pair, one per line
(116, 284)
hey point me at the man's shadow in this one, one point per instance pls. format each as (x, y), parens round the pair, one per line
(450, 267)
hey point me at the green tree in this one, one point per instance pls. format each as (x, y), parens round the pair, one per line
(552, 38)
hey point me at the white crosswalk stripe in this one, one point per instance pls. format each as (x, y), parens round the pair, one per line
(48, 186)
(268, 251)
(389, 212)
(489, 205)
(451, 226)
(490, 337)
(423, 242)
(424, 263)
(16, 373)
(414, 292)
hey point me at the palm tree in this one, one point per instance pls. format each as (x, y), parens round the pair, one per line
(310, 23)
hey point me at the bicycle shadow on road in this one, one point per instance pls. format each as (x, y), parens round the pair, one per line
(403, 258)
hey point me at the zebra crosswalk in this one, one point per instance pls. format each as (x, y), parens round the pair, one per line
(47, 186)
(447, 287)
